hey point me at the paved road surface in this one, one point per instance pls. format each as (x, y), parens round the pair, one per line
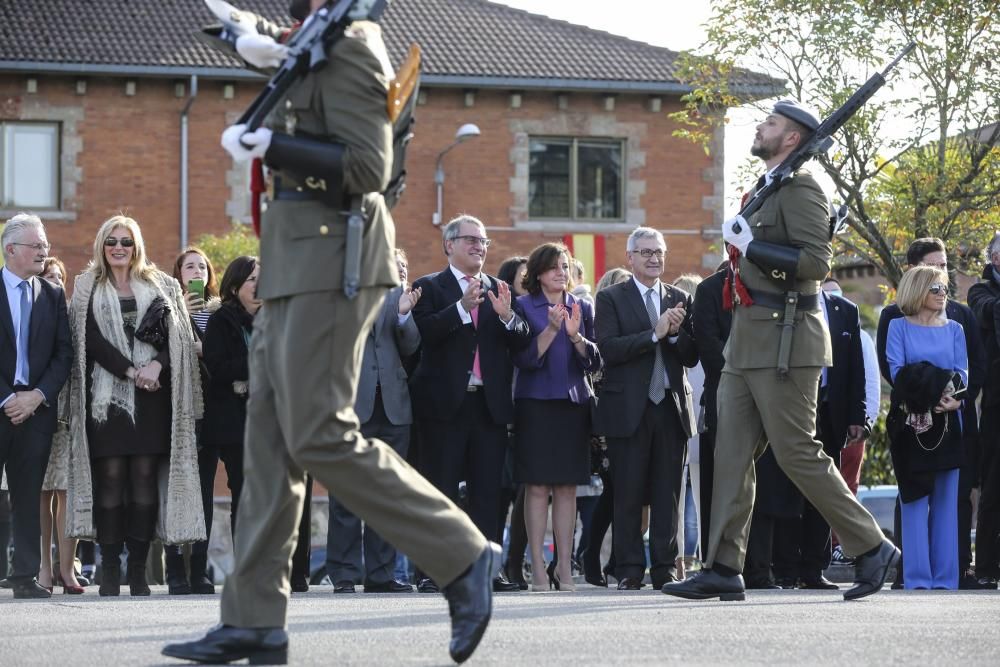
(590, 627)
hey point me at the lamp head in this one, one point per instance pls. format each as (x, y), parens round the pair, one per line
(467, 131)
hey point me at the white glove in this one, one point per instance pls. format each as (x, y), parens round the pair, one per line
(740, 239)
(236, 135)
(261, 51)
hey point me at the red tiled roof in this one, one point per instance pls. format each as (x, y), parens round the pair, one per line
(461, 39)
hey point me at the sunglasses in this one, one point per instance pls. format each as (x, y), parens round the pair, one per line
(937, 288)
(126, 242)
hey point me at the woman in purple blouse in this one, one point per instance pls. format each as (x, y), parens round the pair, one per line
(552, 406)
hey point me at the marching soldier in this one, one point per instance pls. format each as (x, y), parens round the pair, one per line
(778, 345)
(330, 147)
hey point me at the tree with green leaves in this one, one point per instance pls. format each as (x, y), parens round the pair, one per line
(922, 158)
(224, 248)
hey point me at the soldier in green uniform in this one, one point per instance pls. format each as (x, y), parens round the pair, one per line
(330, 147)
(777, 348)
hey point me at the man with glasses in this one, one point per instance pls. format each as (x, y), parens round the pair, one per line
(645, 335)
(932, 252)
(461, 389)
(35, 357)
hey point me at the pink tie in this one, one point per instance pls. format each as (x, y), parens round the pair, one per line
(475, 322)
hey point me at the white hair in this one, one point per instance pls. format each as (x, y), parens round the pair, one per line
(644, 233)
(18, 224)
(993, 247)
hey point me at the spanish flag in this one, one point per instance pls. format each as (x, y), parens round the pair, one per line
(589, 249)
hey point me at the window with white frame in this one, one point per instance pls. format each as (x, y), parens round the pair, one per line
(576, 178)
(29, 165)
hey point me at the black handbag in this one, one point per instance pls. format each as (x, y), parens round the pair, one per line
(153, 328)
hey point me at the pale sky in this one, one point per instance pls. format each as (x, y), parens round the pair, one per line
(673, 24)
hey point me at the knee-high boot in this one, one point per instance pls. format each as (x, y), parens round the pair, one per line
(110, 524)
(140, 527)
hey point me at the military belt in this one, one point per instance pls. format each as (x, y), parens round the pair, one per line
(779, 301)
(282, 190)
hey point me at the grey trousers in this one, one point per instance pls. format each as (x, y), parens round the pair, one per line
(354, 551)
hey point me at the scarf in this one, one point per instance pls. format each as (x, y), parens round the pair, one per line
(108, 389)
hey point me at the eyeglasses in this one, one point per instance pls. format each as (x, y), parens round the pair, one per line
(125, 242)
(648, 252)
(473, 240)
(38, 247)
(937, 288)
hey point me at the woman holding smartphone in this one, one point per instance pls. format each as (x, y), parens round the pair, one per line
(193, 270)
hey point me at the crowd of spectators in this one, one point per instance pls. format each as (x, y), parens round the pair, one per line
(521, 396)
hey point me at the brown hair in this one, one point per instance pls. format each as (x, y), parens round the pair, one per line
(541, 259)
(210, 287)
(51, 261)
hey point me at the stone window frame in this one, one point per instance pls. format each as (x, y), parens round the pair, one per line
(38, 110)
(595, 126)
(574, 143)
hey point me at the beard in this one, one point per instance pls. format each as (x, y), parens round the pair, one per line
(299, 9)
(766, 150)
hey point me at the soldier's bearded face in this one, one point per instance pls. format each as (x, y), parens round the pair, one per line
(768, 141)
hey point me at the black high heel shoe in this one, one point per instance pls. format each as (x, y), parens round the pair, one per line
(550, 571)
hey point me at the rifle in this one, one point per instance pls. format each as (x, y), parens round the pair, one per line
(821, 139)
(307, 51)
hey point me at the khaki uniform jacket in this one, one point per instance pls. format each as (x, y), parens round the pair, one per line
(302, 242)
(797, 215)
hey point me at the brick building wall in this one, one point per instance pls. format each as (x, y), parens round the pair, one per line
(121, 153)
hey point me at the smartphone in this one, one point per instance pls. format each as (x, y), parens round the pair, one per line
(197, 286)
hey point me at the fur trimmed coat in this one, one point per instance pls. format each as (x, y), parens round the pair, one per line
(181, 515)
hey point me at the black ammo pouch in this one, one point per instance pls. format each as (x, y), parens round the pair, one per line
(317, 165)
(780, 263)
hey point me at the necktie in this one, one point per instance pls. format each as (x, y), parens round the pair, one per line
(23, 328)
(475, 322)
(657, 388)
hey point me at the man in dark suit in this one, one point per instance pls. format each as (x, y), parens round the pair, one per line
(711, 331)
(383, 407)
(645, 336)
(35, 357)
(802, 545)
(932, 252)
(462, 385)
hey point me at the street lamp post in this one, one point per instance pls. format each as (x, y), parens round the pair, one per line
(467, 131)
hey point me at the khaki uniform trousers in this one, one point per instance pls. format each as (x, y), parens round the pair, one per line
(305, 355)
(756, 408)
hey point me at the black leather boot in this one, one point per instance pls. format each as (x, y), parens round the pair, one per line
(177, 581)
(200, 583)
(111, 569)
(138, 550)
(110, 524)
